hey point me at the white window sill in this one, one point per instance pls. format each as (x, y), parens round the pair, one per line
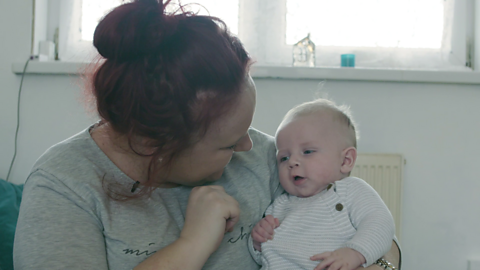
(318, 73)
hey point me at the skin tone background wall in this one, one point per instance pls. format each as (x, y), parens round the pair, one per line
(436, 127)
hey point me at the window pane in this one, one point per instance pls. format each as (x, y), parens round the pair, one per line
(94, 10)
(366, 23)
(227, 10)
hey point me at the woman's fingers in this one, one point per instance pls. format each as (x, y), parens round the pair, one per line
(210, 213)
(233, 215)
(321, 256)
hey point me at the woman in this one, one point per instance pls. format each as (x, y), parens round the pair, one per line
(148, 187)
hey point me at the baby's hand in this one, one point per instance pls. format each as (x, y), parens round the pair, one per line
(263, 231)
(340, 259)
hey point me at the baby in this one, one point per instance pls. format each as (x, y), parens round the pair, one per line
(325, 215)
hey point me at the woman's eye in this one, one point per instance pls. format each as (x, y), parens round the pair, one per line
(232, 147)
(306, 152)
(282, 159)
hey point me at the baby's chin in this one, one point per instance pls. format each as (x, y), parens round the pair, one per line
(305, 193)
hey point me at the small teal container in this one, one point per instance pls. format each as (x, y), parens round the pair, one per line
(348, 60)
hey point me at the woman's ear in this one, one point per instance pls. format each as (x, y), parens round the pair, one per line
(349, 156)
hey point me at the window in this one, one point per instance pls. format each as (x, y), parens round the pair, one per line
(418, 34)
(78, 19)
(94, 10)
(367, 23)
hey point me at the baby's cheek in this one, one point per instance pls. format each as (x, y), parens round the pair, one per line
(284, 175)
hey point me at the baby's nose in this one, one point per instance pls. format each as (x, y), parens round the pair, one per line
(294, 163)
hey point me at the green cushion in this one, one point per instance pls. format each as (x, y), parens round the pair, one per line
(10, 198)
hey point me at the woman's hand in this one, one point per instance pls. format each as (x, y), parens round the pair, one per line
(211, 212)
(340, 259)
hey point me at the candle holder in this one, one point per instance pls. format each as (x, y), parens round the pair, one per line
(304, 53)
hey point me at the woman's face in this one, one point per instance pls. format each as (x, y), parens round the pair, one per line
(206, 160)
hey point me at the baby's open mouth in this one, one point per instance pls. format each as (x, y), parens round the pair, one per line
(296, 178)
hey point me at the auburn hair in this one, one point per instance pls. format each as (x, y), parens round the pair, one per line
(165, 74)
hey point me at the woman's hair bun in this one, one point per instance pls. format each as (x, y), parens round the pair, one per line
(132, 30)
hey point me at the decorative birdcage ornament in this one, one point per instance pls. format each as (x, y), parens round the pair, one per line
(304, 53)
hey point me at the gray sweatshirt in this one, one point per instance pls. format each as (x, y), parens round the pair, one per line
(67, 221)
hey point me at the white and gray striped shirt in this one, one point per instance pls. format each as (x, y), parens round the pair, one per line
(350, 214)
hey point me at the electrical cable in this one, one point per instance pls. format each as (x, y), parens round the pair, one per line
(18, 118)
(32, 56)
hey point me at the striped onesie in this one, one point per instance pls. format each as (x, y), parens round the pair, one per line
(349, 213)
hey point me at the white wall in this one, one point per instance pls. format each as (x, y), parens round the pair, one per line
(15, 47)
(50, 107)
(435, 126)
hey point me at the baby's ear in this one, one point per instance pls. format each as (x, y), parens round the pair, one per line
(349, 156)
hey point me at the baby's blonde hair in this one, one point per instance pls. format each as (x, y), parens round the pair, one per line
(340, 113)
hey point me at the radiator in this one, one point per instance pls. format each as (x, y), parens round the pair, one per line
(384, 172)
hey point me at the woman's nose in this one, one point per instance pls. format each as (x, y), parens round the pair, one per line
(245, 144)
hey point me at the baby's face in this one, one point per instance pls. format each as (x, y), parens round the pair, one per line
(309, 154)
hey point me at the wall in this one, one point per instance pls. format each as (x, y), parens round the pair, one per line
(435, 126)
(50, 109)
(17, 48)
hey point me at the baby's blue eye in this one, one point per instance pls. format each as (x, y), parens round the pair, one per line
(282, 159)
(306, 152)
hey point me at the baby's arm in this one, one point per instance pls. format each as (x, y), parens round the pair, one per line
(372, 219)
(263, 231)
(254, 245)
(373, 222)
